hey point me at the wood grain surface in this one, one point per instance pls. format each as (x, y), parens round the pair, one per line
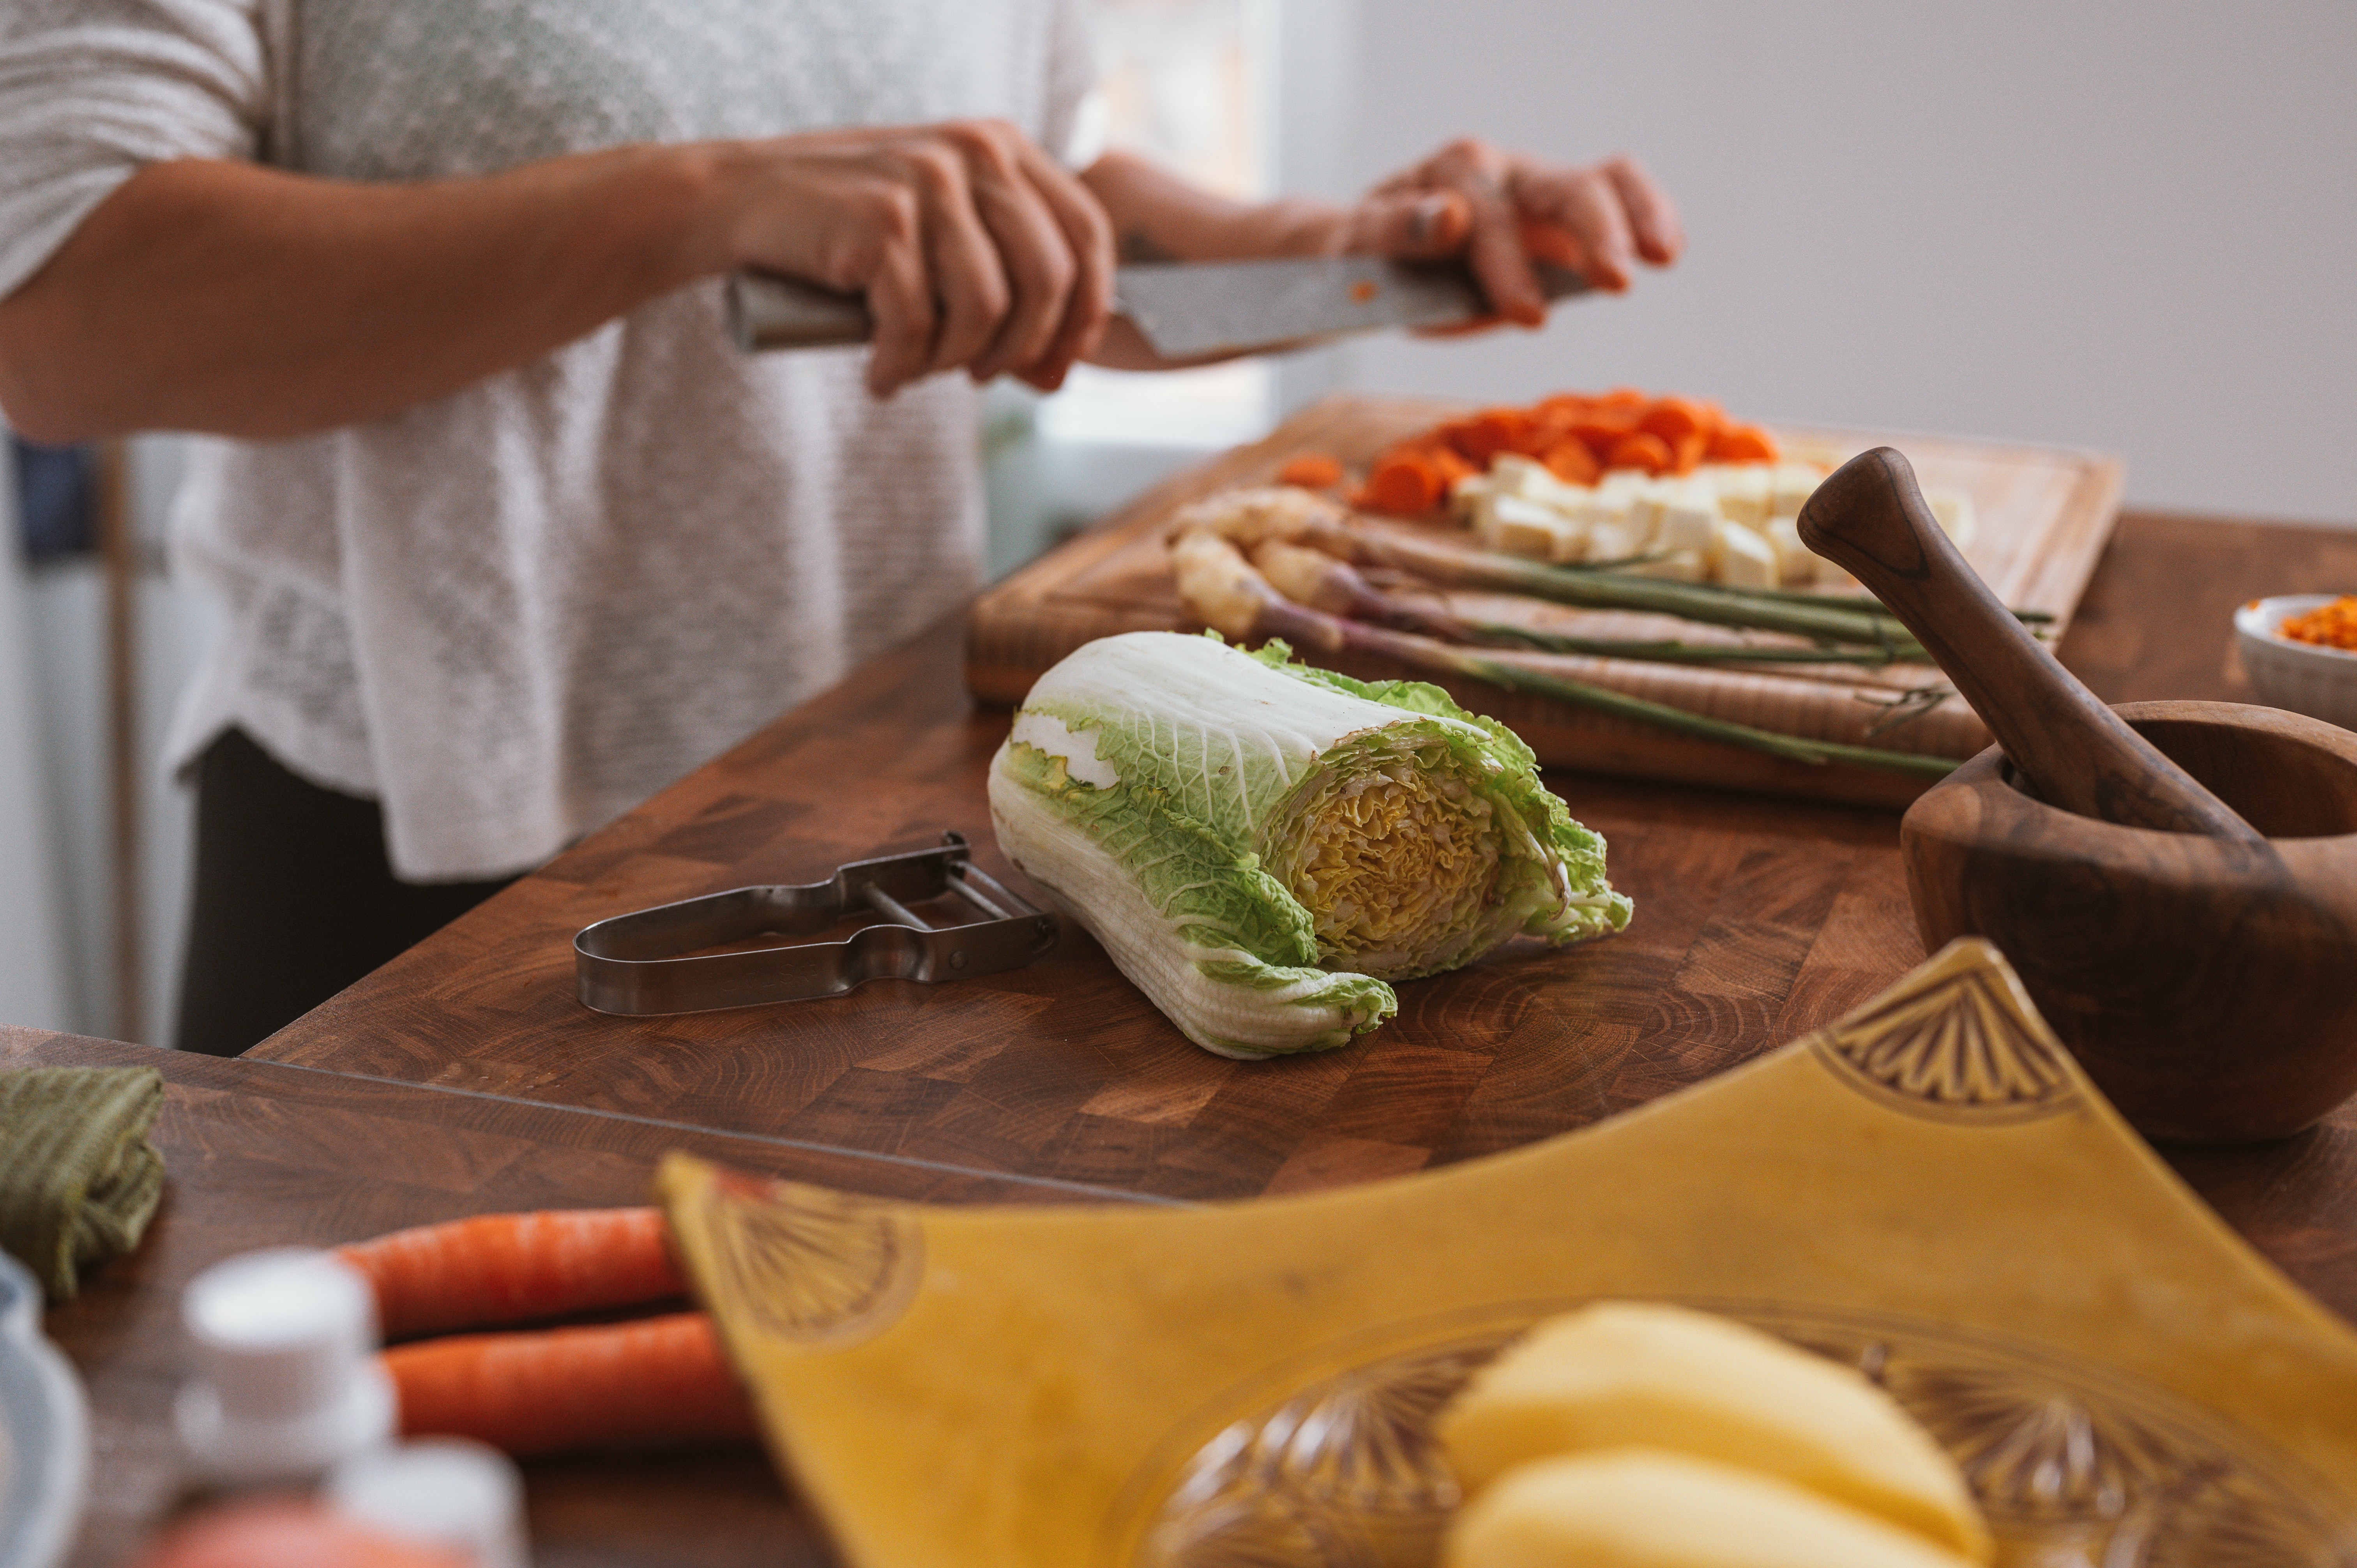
(1757, 919)
(2044, 514)
(2204, 982)
(260, 1154)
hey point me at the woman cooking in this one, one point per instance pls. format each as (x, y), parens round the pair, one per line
(507, 534)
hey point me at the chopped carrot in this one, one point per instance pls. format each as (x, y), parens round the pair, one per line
(1641, 450)
(513, 1268)
(1311, 471)
(1743, 443)
(660, 1380)
(1577, 435)
(1673, 419)
(1407, 484)
(1492, 432)
(286, 1532)
(1603, 426)
(1573, 463)
(1452, 468)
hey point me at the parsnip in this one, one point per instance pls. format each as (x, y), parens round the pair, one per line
(1633, 1507)
(1624, 1373)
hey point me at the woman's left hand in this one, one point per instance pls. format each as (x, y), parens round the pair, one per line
(1501, 210)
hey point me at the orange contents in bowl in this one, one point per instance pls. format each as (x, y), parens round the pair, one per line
(2329, 625)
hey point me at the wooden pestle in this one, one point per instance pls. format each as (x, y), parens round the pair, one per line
(1869, 518)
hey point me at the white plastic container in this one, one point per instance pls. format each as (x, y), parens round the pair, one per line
(441, 1491)
(285, 1382)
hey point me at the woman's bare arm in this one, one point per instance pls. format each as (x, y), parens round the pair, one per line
(229, 298)
(241, 300)
(1498, 210)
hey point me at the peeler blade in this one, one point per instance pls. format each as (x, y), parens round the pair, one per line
(655, 961)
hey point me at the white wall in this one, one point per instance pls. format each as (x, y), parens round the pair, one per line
(32, 946)
(68, 812)
(2127, 227)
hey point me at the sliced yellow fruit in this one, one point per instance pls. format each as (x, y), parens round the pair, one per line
(1633, 1507)
(1625, 1374)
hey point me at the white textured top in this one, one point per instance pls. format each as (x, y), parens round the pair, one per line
(514, 612)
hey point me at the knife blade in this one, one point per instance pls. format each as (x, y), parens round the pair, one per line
(1185, 309)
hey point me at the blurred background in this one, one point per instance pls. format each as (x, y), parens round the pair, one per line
(2121, 227)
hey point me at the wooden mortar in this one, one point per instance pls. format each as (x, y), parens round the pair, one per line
(2209, 990)
(2178, 891)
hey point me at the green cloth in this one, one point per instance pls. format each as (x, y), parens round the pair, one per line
(78, 1180)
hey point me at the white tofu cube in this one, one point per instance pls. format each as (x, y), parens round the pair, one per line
(1687, 519)
(1600, 505)
(1741, 558)
(1521, 527)
(1679, 566)
(1466, 492)
(1573, 540)
(1743, 493)
(1953, 507)
(1516, 474)
(1796, 565)
(1612, 542)
(1646, 503)
(1471, 499)
(1791, 488)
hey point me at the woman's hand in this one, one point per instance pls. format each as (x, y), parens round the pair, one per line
(227, 297)
(1499, 210)
(975, 251)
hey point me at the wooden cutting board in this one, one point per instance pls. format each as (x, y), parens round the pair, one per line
(2044, 516)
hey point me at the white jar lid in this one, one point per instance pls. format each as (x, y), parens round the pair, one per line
(285, 1380)
(443, 1491)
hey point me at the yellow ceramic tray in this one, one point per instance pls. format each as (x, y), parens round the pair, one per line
(1929, 1190)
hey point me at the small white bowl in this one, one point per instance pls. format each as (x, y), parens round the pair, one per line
(2302, 676)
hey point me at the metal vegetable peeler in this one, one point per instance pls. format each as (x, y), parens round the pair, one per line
(633, 963)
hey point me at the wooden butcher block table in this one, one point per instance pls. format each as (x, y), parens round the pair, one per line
(260, 1154)
(1757, 919)
(463, 1077)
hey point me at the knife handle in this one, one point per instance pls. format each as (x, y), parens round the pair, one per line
(766, 311)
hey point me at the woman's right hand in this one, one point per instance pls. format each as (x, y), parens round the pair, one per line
(975, 251)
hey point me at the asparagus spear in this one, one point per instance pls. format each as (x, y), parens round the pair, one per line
(1221, 585)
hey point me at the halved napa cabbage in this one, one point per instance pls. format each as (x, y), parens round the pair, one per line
(1261, 845)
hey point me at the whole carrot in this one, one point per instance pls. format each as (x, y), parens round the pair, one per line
(658, 1379)
(513, 1267)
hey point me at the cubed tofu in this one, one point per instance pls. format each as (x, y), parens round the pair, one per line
(1740, 558)
(1523, 527)
(1796, 565)
(1791, 486)
(1603, 506)
(1645, 504)
(1678, 566)
(1687, 519)
(1465, 498)
(1953, 507)
(1573, 540)
(1743, 492)
(1611, 542)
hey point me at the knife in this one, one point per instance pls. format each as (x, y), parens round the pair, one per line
(1185, 309)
